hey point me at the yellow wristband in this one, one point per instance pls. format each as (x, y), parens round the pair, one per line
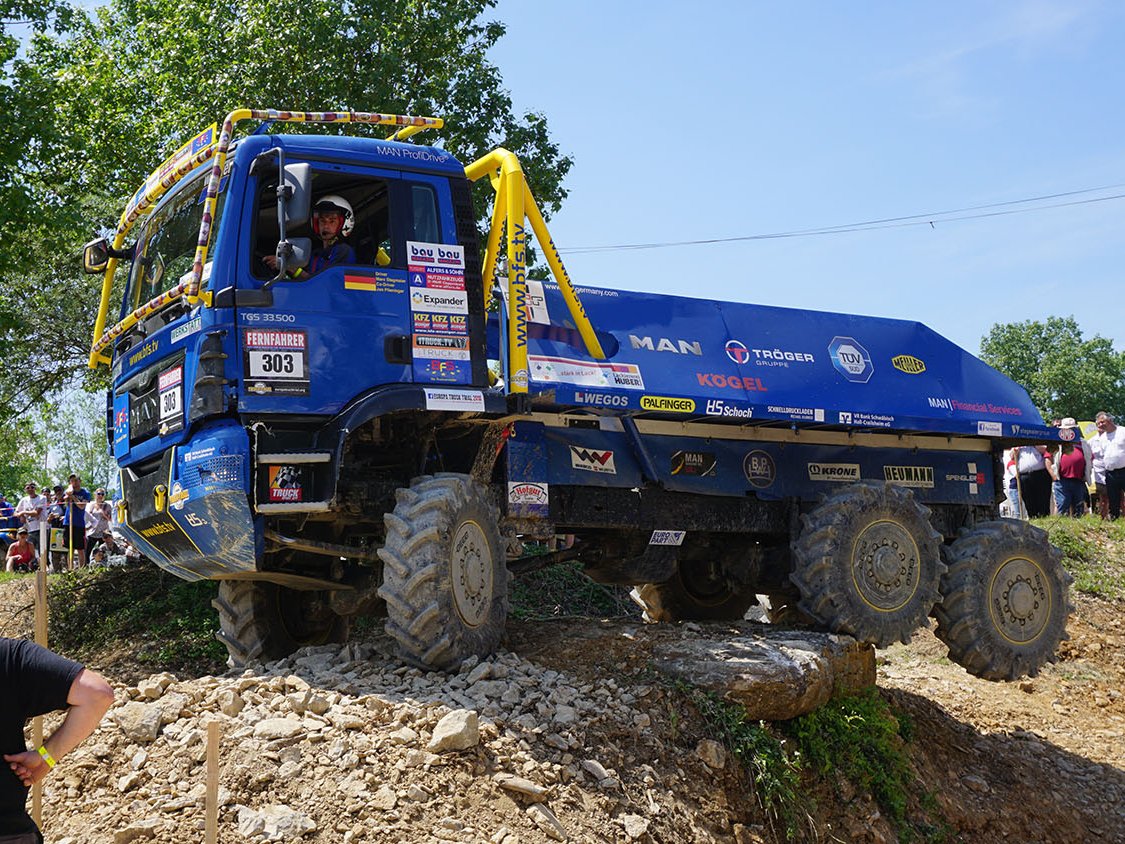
(47, 757)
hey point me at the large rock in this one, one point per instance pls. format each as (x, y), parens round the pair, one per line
(140, 722)
(459, 730)
(775, 675)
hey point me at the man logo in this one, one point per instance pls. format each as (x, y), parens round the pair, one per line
(908, 364)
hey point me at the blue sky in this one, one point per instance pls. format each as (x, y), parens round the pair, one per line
(729, 119)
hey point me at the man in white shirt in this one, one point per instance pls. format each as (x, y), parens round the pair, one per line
(30, 510)
(1109, 444)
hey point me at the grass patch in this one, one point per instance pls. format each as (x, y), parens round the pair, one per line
(775, 773)
(166, 623)
(1093, 552)
(562, 591)
(861, 738)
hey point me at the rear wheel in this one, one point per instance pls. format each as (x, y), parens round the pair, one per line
(1005, 600)
(868, 563)
(445, 579)
(700, 590)
(261, 621)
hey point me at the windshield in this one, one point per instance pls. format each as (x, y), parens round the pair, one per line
(165, 247)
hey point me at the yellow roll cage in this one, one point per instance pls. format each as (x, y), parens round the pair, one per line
(514, 207)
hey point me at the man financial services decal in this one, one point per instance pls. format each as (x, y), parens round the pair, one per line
(695, 463)
(592, 460)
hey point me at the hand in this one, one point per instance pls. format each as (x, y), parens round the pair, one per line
(270, 261)
(29, 766)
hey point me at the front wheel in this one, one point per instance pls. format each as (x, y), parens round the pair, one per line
(262, 621)
(445, 579)
(1005, 600)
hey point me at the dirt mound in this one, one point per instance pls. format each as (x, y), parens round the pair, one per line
(576, 736)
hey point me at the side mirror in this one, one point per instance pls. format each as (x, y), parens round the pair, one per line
(302, 252)
(95, 255)
(298, 178)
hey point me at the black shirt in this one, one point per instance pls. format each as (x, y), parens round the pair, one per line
(33, 681)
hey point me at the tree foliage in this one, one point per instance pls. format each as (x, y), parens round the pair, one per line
(1065, 374)
(120, 88)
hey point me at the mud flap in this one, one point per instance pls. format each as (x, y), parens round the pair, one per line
(193, 523)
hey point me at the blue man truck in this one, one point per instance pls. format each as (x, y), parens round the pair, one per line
(402, 428)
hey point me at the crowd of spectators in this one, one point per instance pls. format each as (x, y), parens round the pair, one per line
(1067, 478)
(79, 528)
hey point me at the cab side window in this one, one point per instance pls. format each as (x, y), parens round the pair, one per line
(423, 205)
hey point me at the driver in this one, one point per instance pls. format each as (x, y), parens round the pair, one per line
(332, 220)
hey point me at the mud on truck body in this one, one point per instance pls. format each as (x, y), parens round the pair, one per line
(335, 444)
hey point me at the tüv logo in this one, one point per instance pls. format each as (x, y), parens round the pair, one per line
(851, 359)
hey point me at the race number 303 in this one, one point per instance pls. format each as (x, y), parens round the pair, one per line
(276, 362)
(264, 364)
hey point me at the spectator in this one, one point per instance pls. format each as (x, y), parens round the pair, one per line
(1110, 445)
(31, 510)
(97, 520)
(36, 681)
(74, 518)
(1070, 466)
(21, 554)
(1035, 480)
(8, 520)
(1010, 487)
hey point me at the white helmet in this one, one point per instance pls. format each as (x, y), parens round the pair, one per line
(337, 203)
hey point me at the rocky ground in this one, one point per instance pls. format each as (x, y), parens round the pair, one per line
(568, 734)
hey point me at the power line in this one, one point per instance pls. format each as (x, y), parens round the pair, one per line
(928, 219)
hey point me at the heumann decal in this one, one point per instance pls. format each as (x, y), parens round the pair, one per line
(912, 476)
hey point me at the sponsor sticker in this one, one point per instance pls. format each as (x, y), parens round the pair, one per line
(1066, 434)
(585, 373)
(528, 497)
(919, 477)
(718, 407)
(759, 468)
(439, 301)
(663, 344)
(380, 281)
(780, 357)
(908, 364)
(851, 359)
(179, 496)
(441, 370)
(668, 404)
(535, 302)
(276, 361)
(601, 399)
(444, 347)
(592, 460)
(188, 328)
(737, 352)
(285, 484)
(694, 463)
(170, 384)
(835, 472)
(455, 400)
(990, 429)
(667, 537)
(735, 382)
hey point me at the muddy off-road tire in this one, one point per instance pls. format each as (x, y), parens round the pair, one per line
(868, 563)
(262, 621)
(1005, 600)
(445, 579)
(698, 591)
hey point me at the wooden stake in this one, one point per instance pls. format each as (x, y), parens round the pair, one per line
(40, 639)
(212, 826)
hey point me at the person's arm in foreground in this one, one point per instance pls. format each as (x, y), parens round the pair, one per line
(89, 699)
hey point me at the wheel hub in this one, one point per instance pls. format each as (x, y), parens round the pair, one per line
(885, 566)
(472, 574)
(1019, 601)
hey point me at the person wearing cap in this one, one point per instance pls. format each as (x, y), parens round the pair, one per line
(22, 555)
(332, 220)
(1070, 465)
(31, 510)
(97, 520)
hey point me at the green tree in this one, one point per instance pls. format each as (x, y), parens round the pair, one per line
(125, 85)
(1065, 374)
